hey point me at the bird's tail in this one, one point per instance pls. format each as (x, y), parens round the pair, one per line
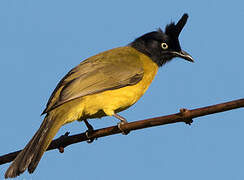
(30, 156)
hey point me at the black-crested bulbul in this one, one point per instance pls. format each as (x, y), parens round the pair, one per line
(102, 85)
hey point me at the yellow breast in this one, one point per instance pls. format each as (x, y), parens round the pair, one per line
(117, 100)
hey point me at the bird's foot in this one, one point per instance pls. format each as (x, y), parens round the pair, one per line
(89, 132)
(124, 132)
(88, 135)
(183, 112)
(121, 123)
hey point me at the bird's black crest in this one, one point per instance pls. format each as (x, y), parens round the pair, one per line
(173, 29)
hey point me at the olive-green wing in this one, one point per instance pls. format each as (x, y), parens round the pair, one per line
(109, 70)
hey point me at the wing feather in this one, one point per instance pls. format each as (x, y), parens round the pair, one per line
(109, 70)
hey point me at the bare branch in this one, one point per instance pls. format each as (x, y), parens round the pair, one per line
(183, 116)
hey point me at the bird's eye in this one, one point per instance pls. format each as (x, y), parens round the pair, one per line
(164, 46)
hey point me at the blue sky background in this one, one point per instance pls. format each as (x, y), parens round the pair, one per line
(40, 41)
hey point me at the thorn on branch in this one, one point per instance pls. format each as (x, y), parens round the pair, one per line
(184, 113)
(61, 148)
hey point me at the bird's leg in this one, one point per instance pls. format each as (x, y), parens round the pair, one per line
(89, 131)
(122, 121)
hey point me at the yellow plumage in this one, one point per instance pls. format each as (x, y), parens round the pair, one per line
(109, 101)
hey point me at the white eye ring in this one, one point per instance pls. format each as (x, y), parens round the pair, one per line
(164, 46)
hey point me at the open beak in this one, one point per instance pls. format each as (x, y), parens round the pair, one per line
(184, 55)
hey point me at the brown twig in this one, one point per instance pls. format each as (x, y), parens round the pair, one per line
(184, 116)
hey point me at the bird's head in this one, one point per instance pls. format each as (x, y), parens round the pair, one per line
(161, 46)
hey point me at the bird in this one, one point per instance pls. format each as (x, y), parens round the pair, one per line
(102, 85)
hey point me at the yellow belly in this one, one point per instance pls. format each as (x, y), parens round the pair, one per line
(109, 102)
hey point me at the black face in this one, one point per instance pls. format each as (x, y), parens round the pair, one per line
(162, 47)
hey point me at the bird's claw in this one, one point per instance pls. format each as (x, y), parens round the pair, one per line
(89, 132)
(124, 132)
(90, 140)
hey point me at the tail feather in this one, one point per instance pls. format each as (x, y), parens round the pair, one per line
(47, 139)
(30, 156)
